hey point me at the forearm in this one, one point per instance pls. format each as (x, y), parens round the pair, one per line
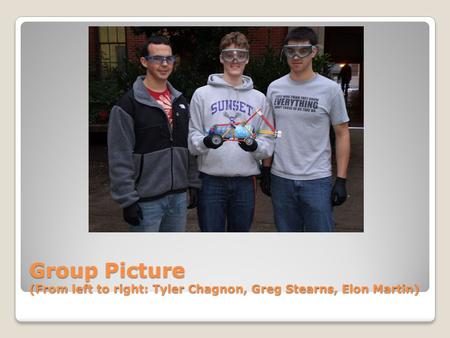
(195, 142)
(267, 162)
(120, 157)
(265, 148)
(266, 142)
(342, 152)
(196, 128)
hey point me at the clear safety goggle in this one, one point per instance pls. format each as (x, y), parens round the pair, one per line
(238, 54)
(170, 59)
(299, 51)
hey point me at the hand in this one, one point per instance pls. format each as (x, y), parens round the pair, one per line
(133, 214)
(193, 198)
(212, 141)
(339, 192)
(265, 181)
(248, 147)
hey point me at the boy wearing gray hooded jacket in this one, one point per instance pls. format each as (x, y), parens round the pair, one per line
(228, 169)
(150, 168)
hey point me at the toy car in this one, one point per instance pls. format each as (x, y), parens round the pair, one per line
(240, 131)
(232, 132)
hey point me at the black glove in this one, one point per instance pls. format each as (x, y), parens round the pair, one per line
(250, 148)
(208, 141)
(339, 192)
(265, 181)
(193, 198)
(133, 214)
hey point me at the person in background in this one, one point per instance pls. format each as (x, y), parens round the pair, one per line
(345, 75)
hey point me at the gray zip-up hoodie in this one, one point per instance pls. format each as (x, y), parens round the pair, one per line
(216, 103)
(148, 158)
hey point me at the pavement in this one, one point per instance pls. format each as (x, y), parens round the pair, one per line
(106, 216)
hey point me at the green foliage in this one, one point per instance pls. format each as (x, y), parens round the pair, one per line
(199, 53)
(202, 42)
(103, 94)
(125, 76)
(265, 69)
(322, 64)
(187, 79)
(269, 67)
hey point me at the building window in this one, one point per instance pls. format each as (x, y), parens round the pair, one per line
(113, 50)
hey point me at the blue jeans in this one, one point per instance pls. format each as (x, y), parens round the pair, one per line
(226, 200)
(302, 205)
(167, 214)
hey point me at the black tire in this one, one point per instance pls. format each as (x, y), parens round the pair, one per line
(249, 141)
(216, 139)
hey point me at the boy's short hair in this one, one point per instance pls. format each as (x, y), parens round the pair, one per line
(156, 40)
(236, 38)
(301, 34)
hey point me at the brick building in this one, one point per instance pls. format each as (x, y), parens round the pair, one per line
(108, 46)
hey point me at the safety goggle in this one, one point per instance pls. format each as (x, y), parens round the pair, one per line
(230, 54)
(299, 51)
(170, 59)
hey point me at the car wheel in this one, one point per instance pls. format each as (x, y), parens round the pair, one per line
(249, 141)
(216, 139)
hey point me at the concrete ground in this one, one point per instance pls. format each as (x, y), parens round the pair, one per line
(106, 216)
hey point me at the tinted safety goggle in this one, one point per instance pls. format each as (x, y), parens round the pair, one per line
(299, 51)
(231, 54)
(170, 59)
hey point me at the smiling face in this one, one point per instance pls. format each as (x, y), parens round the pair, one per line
(233, 58)
(158, 71)
(295, 59)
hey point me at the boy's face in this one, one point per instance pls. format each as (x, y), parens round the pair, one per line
(299, 55)
(158, 70)
(234, 60)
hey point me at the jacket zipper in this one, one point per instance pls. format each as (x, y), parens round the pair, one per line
(171, 140)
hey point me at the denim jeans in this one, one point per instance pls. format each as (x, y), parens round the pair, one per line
(167, 214)
(302, 205)
(226, 200)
